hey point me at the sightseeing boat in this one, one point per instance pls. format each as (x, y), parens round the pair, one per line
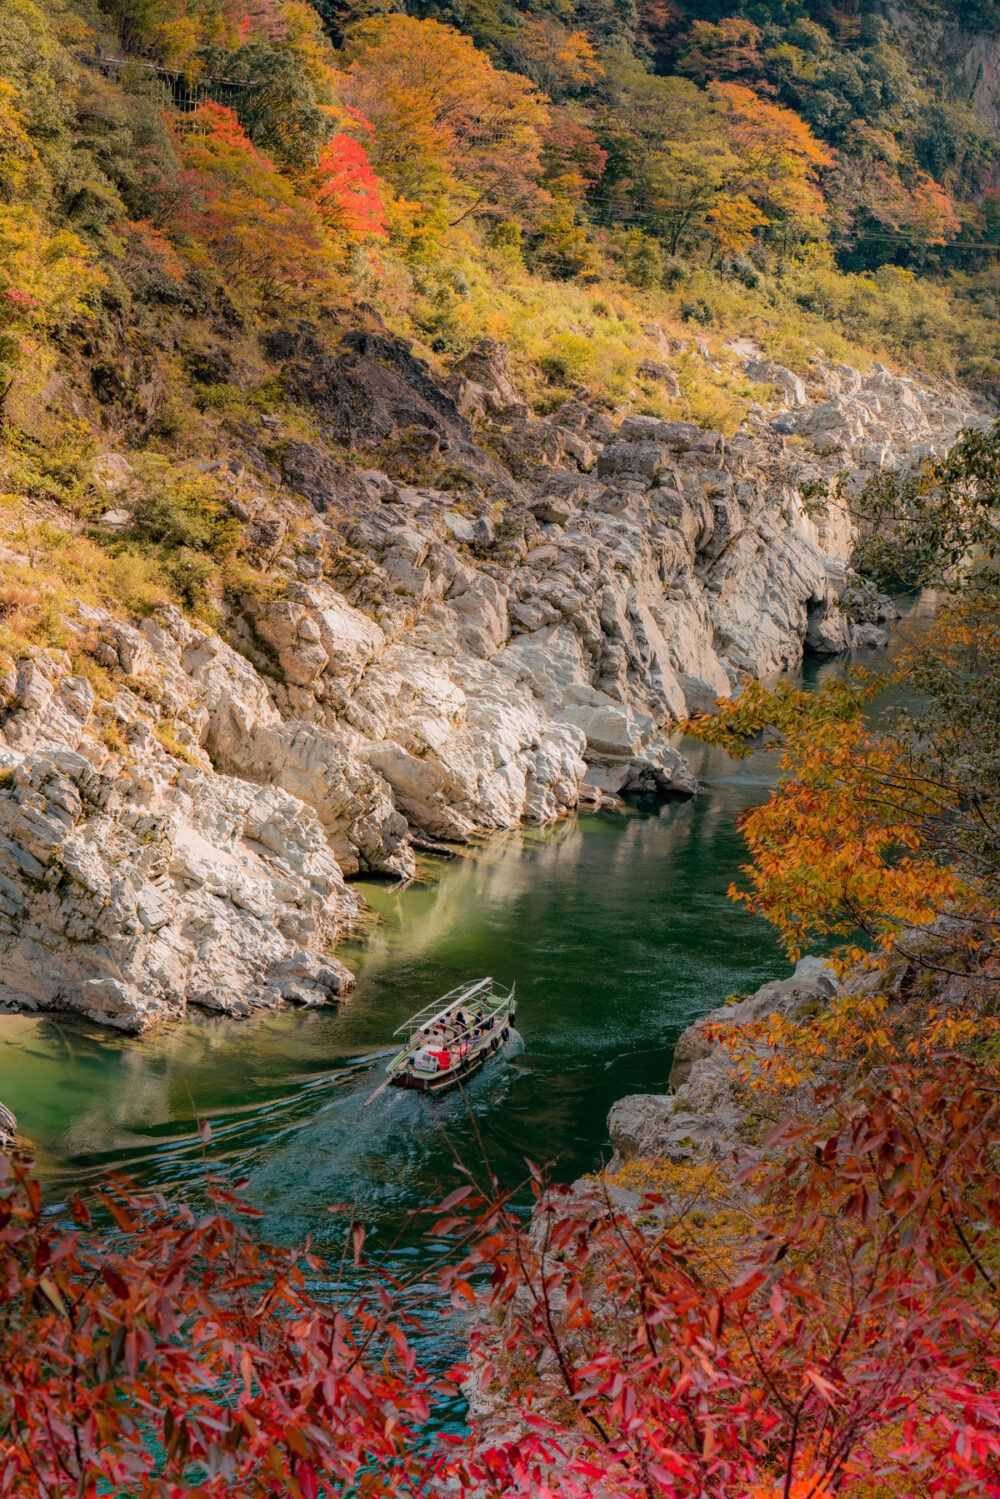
(452, 1038)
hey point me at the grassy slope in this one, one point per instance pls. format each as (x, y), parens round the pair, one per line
(142, 327)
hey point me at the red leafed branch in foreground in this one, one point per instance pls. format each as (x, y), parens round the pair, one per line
(849, 1346)
(845, 1345)
(179, 1356)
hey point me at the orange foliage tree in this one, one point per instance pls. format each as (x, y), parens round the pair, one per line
(729, 49)
(448, 124)
(876, 183)
(778, 160)
(852, 842)
(733, 223)
(930, 214)
(925, 212)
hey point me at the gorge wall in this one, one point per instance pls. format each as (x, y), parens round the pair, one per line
(507, 630)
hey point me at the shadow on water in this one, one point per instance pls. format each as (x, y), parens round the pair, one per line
(617, 930)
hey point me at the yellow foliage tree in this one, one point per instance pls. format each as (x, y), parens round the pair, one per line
(45, 279)
(175, 29)
(20, 170)
(45, 276)
(557, 59)
(733, 223)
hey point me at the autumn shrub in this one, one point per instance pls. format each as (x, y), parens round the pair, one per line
(104, 681)
(599, 359)
(170, 1352)
(187, 514)
(771, 1348)
(166, 736)
(61, 566)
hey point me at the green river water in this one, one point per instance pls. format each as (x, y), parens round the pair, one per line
(615, 927)
(617, 930)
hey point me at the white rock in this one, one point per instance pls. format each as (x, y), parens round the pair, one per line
(112, 472)
(767, 372)
(128, 899)
(116, 520)
(458, 526)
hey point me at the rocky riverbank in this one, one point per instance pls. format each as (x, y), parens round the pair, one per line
(502, 620)
(704, 1115)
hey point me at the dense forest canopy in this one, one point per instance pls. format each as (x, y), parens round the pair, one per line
(805, 174)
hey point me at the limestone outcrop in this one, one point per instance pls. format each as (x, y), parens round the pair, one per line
(635, 570)
(126, 897)
(514, 627)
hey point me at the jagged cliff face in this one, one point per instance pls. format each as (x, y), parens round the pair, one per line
(439, 661)
(970, 58)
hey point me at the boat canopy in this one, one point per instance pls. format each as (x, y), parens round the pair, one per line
(484, 992)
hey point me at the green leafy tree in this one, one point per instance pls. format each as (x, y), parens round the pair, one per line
(278, 107)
